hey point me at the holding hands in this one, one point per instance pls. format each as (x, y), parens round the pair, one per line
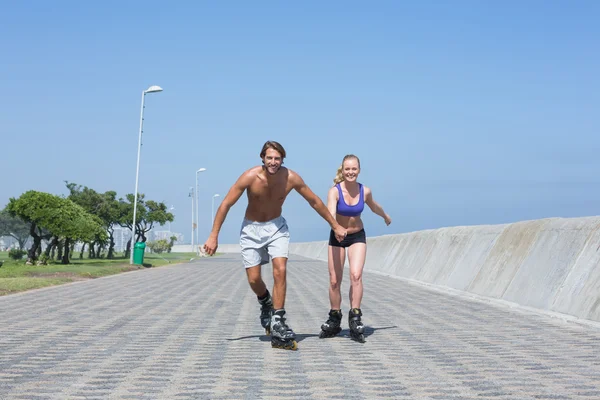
(340, 233)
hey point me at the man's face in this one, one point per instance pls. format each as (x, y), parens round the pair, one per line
(350, 169)
(272, 161)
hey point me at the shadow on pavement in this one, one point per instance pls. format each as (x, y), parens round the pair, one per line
(369, 330)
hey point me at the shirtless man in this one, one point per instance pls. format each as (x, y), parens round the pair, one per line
(265, 234)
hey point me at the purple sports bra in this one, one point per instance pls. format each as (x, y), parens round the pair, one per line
(350, 211)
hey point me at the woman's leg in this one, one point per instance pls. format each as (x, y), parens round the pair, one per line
(336, 258)
(357, 254)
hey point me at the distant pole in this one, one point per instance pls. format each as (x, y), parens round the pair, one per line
(170, 209)
(197, 231)
(193, 196)
(151, 89)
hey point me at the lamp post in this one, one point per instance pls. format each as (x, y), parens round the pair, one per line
(212, 215)
(197, 235)
(193, 196)
(151, 89)
(170, 209)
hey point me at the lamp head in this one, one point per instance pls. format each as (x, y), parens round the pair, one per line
(153, 89)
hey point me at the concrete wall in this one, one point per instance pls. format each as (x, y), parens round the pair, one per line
(549, 264)
(223, 248)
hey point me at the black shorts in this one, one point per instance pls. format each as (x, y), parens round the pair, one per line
(349, 240)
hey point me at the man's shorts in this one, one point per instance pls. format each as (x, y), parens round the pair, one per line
(259, 240)
(349, 240)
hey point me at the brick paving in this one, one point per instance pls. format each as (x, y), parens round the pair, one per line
(191, 331)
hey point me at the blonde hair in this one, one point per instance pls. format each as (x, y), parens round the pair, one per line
(339, 176)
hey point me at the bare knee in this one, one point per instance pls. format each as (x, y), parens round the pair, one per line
(279, 271)
(356, 277)
(254, 280)
(254, 276)
(334, 284)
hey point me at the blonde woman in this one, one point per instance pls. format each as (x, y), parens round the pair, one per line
(346, 201)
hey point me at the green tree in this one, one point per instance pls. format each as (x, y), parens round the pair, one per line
(172, 240)
(159, 246)
(59, 216)
(148, 214)
(14, 227)
(103, 205)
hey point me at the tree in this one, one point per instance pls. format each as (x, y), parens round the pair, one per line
(172, 240)
(103, 205)
(14, 227)
(59, 216)
(148, 213)
(159, 246)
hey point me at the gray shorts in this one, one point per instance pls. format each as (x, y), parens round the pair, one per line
(259, 240)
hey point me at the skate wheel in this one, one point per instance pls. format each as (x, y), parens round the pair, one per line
(268, 331)
(293, 345)
(358, 337)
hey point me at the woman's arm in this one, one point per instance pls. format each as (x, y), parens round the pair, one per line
(375, 207)
(332, 199)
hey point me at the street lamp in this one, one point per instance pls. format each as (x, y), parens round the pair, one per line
(170, 209)
(197, 232)
(193, 196)
(151, 89)
(212, 215)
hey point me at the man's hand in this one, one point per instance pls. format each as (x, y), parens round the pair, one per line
(210, 246)
(340, 233)
(387, 219)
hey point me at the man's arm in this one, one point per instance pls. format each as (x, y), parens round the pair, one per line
(234, 194)
(318, 205)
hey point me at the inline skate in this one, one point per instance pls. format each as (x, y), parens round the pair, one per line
(332, 326)
(357, 329)
(282, 336)
(266, 309)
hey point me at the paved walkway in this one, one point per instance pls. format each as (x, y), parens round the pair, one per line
(191, 331)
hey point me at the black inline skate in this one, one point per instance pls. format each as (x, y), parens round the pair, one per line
(282, 336)
(357, 329)
(266, 309)
(332, 326)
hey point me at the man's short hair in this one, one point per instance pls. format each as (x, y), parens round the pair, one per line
(271, 144)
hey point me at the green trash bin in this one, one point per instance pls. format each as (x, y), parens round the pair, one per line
(138, 253)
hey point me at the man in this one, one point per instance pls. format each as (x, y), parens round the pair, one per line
(265, 233)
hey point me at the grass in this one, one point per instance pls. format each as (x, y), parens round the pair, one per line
(15, 276)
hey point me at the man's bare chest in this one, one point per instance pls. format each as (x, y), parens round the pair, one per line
(268, 192)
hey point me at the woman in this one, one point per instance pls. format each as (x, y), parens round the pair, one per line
(346, 200)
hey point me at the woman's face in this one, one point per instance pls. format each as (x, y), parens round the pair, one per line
(350, 169)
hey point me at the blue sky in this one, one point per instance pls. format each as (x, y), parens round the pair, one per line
(462, 113)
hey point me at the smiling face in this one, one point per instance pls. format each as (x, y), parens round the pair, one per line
(350, 169)
(272, 161)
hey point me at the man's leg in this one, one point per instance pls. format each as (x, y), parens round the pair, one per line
(279, 282)
(282, 335)
(255, 280)
(263, 296)
(278, 249)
